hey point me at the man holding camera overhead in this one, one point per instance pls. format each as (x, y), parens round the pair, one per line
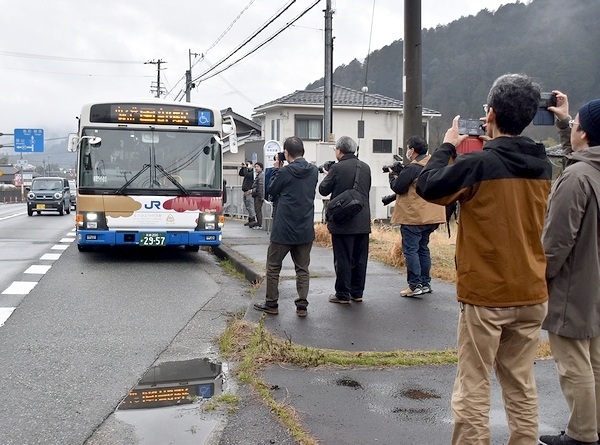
(417, 218)
(500, 261)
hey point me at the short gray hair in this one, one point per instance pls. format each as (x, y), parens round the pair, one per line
(346, 144)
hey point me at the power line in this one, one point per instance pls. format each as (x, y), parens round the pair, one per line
(198, 79)
(245, 42)
(65, 59)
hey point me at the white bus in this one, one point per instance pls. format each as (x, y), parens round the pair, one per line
(150, 173)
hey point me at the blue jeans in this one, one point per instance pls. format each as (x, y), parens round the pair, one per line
(415, 247)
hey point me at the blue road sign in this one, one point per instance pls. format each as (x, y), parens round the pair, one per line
(28, 140)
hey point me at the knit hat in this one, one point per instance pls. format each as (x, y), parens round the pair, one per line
(589, 119)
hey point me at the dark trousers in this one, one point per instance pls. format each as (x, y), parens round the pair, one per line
(301, 258)
(415, 248)
(350, 256)
(258, 204)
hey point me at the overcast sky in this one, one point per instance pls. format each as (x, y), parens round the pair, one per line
(57, 55)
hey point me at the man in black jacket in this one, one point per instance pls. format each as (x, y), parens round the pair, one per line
(247, 172)
(351, 238)
(293, 187)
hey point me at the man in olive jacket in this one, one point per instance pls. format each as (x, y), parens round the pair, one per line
(417, 218)
(351, 238)
(293, 188)
(572, 244)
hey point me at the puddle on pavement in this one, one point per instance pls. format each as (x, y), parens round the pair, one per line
(419, 394)
(175, 383)
(347, 381)
(161, 408)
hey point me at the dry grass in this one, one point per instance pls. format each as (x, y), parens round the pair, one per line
(385, 246)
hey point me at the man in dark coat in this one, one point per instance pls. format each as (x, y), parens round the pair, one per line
(247, 172)
(351, 238)
(293, 187)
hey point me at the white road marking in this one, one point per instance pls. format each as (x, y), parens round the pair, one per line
(66, 240)
(20, 288)
(50, 256)
(12, 216)
(5, 312)
(59, 247)
(39, 270)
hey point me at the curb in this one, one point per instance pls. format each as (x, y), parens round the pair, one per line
(253, 274)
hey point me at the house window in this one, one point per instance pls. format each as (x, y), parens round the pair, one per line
(309, 127)
(272, 129)
(278, 130)
(382, 145)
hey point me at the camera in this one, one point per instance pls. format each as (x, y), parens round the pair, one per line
(279, 157)
(388, 199)
(472, 127)
(543, 116)
(396, 167)
(547, 100)
(326, 166)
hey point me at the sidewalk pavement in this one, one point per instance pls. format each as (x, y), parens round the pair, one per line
(401, 405)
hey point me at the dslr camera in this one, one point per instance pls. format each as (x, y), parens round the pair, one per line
(396, 167)
(279, 157)
(388, 199)
(326, 166)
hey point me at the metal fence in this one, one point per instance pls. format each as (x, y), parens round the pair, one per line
(234, 207)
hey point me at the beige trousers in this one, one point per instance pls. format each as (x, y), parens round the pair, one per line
(506, 340)
(578, 366)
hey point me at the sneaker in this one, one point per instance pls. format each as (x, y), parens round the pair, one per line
(301, 311)
(334, 299)
(273, 310)
(257, 227)
(358, 299)
(561, 439)
(426, 288)
(412, 292)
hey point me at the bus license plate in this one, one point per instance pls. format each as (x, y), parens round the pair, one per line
(152, 239)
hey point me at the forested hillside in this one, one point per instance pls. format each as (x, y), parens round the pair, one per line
(557, 42)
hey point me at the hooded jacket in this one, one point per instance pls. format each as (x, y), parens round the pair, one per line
(293, 190)
(340, 177)
(572, 242)
(503, 194)
(410, 209)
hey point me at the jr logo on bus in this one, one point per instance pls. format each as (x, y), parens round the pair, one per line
(153, 204)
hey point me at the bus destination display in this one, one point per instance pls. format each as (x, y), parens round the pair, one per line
(151, 115)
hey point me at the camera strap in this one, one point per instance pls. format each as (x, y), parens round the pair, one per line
(355, 186)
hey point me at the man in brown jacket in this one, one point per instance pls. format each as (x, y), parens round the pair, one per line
(417, 218)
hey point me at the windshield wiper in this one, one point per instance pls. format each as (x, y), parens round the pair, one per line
(174, 181)
(170, 177)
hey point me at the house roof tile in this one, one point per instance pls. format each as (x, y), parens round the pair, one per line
(342, 97)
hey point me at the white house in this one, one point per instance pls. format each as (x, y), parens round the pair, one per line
(301, 114)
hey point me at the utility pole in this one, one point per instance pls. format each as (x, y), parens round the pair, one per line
(413, 89)
(188, 77)
(159, 88)
(328, 87)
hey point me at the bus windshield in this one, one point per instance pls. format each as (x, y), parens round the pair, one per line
(168, 162)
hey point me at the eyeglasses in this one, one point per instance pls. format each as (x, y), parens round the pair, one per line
(486, 107)
(572, 122)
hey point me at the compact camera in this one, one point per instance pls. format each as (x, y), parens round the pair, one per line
(326, 166)
(472, 127)
(543, 116)
(547, 100)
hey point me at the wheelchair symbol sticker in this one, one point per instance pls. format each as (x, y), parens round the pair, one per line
(204, 118)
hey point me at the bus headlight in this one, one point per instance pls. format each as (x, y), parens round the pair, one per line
(209, 217)
(91, 216)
